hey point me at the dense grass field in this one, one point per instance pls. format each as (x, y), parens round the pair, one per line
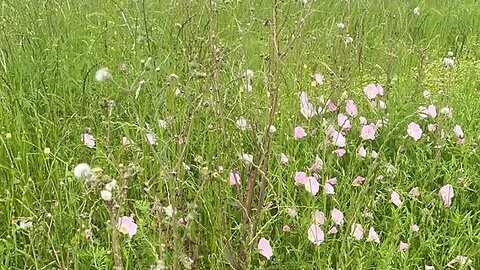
(239, 134)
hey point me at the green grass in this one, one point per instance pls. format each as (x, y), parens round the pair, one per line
(50, 50)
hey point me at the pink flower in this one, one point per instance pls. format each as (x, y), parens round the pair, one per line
(373, 236)
(318, 165)
(414, 131)
(264, 248)
(306, 108)
(363, 120)
(127, 225)
(286, 228)
(330, 130)
(300, 178)
(372, 90)
(315, 234)
(333, 230)
(340, 152)
(431, 127)
(414, 228)
(299, 133)
(343, 122)
(458, 131)
(283, 158)
(337, 216)
(351, 108)
(362, 152)
(395, 198)
(318, 78)
(234, 178)
(429, 111)
(319, 218)
(88, 140)
(331, 107)
(312, 185)
(329, 189)
(357, 231)
(338, 139)
(414, 192)
(291, 212)
(403, 246)
(88, 233)
(332, 181)
(446, 192)
(358, 181)
(374, 154)
(368, 132)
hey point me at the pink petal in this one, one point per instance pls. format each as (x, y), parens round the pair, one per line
(332, 181)
(371, 91)
(318, 165)
(431, 127)
(338, 139)
(414, 192)
(414, 228)
(300, 178)
(319, 78)
(291, 212)
(127, 225)
(358, 181)
(312, 185)
(331, 107)
(286, 228)
(315, 234)
(373, 236)
(329, 189)
(283, 158)
(299, 133)
(234, 178)
(446, 192)
(88, 140)
(333, 230)
(403, 246)
(362, 152)
(368, 132)
(340, 152)
(395, 198)
(337, 216)
(414, 131)
(343, 122)
(363, 120)
(319, 218)
(357, 231)
(374, 154)
(458, 131)
(264, 248)
(351, 108)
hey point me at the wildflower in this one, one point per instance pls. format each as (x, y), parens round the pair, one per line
(373, 90)
(234, 178)
(283, 158)
(25, 225)
(241, 123)
(340, 152)
(168, 210)
(312, 185)
(306, 108)
(318, 165)
(247, 158)
(403, 246)
(319, 218)
(368, 132)
(362, 152)
(162, 124)
(151, 139)
(414, 131)
(348, 39)
(458, 131)
(88, 233)
(315, 234)
(357, 231)
(299, 132)
(343, 122)
(333, 230)
(291, 212)
(249, 74)
(461, 260)
(264, 248)
(102, 75)
(448, 62)
(88, 140)
(111, 185)
(318, 78)
(351, 108)
(46, 151)
(300, 178)
(332, 181)
(286, 228)
(446, 192)
(432, 127)
(331, 107)
(127, 225)
(395, 198)
(414, 228)
(358, 181)
(338, 139)
(337, 216)
(426, 94)
(272, 129)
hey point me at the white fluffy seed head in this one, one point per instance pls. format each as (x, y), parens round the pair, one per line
(106, 195)
(25, 225)
(103, 75)
(82, 171)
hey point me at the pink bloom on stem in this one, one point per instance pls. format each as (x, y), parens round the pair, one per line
(88, 140)
(340, 152)
(319, 218)
(368, 132)
(343, 122)
(300, 178)
(363, 120)
(286, 228)
(429, 111)
(351, 108)
(318, 78)
(315, 234)
(362, 152)
(458, 131)
(371, 91)
(414, 228)
(357, 231)
(312, 185)
(234, 178)
(414, 192)
(332, 181)
(395, 198)
(374, 154)
(306, 108)
(403, 246)
(127, 225)
(337, 216)
(318, 165)
(264, 248)
(373, 236)
(291, 212)
(338, 139)
(414, 131)
(358, 181)
(330, 130)
(333, 230)
(241, 123)
(331, 107)
(446, 192)
(432, 127)
(329, 190)
(299, 132)
(283, 158)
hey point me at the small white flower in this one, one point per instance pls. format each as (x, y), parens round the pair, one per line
(106, 195)
(426, 94)
(82, 171)
(168, 210)
(340, 25)
(242, 123)
(283, 158)
(247, 158)
(450, 54)
(272, 129)
(448, 62)
(249, 74)
(111, 186)
(157, 69)
(103, 75)
(162, 123)
(348, 39)
(177, 91)
(25, 225)
(416, 11)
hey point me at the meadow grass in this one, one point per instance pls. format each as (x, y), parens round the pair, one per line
(184, 62)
